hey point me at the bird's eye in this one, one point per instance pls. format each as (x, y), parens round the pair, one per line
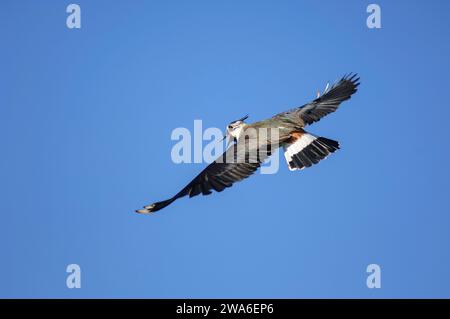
(229, 126)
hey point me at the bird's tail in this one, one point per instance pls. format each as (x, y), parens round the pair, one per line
(304, 150)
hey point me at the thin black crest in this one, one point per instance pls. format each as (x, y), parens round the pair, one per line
(241, 119)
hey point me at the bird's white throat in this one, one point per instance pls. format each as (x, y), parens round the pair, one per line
(237, 132)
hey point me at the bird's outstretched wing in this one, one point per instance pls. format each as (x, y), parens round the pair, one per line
(235, 164)
(325, 104)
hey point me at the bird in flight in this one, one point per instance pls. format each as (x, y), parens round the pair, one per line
(254, 143)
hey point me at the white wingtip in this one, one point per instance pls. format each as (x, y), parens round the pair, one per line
(147, 209)
(142, 211)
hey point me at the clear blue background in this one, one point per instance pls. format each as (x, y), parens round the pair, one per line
(85, 123)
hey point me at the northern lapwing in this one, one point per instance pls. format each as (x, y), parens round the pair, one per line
(301, 149)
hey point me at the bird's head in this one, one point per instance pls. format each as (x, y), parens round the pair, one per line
(235, 128)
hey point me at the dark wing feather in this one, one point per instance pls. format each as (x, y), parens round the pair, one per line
(332, 97)
(228, 169)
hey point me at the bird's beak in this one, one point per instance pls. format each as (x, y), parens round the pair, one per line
(226, 138)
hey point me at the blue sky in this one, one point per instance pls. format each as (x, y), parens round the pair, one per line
(86, 117)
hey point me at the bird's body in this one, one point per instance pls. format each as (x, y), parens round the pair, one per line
(255, 142)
